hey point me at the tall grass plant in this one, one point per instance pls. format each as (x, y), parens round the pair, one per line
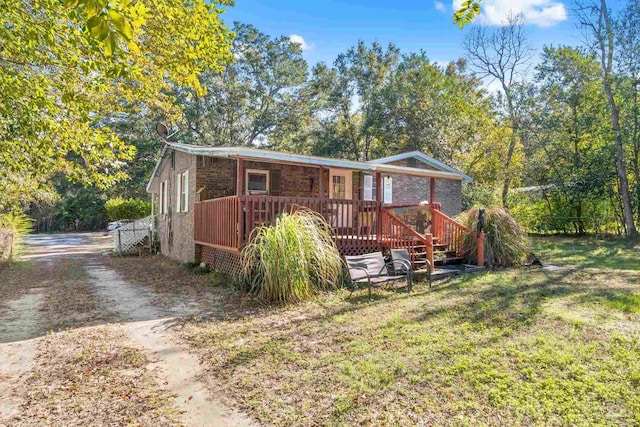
(291, 260)
(506, 241)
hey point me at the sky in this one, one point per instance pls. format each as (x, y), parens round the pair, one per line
(325, 28)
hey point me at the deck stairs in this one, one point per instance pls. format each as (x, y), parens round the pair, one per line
(447, 236)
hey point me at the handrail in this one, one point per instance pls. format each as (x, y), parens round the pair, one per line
(449, 232)
(397, 240)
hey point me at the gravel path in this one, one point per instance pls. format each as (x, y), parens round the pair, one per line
(141, 317)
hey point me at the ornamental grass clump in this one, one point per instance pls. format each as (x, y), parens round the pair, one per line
(506, 242)
(291, 260)
(13, 229)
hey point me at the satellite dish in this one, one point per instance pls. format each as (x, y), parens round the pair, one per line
(162, 130)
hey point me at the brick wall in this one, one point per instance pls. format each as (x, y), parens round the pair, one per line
(217, 176)
(412, 190)
(175, 229)
(295, 180)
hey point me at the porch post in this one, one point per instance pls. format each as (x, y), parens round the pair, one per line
(240, 177)
(321, 187)
(481, 249)
(379, 200)
(432, 191)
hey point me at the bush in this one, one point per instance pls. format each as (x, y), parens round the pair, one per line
(120, 209)
(506, 241)
(16, 225)
(291, 260)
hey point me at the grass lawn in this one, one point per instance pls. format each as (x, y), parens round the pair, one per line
(515, 347)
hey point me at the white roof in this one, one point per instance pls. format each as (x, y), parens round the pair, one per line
(280, 157)
(419, 155)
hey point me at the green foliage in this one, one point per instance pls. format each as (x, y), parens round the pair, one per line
(256, 97)
(466, 13)
(506, 242)
(293, 259)
(62, 83)
(18, 225)
(479, 194)
(127, 209)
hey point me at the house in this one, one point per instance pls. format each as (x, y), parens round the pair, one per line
(209, 199)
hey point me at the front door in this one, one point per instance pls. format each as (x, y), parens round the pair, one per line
(341, 187)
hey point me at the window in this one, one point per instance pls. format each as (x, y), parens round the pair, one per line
(162, 199)
(339, 187)
(257, 181)
(368, 191)
(182, 192)
(388, 189)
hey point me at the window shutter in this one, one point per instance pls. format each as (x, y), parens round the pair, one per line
(368, 187)
(178, 191)
(388, 189)
(165, 195)
(186, 192)
(274, 182)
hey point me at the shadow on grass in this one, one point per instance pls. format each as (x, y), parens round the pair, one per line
(616, 254)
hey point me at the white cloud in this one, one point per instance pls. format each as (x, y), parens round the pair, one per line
(296, 38)
(543, 13)
(440, 7)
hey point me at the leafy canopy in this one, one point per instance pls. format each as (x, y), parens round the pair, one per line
(67, 71)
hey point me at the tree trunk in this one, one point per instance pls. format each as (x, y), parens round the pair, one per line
(607, 47)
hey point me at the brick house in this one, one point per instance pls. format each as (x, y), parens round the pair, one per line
(208, 199)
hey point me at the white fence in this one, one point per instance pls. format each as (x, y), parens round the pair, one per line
(130, 235)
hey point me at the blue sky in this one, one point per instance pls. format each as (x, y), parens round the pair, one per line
(331, 27)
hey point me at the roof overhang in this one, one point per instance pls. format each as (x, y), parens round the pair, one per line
(298, 159)
(430, 161)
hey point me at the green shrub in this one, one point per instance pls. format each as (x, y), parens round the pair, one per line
(18, 225)
(506, 241)
(291, 260)
(126, 209)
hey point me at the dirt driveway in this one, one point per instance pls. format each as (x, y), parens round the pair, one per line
(65, 285)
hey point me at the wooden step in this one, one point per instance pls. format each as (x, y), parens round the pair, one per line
(450, 260)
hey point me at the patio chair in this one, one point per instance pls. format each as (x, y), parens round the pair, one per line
(372, 270)
(403, 255)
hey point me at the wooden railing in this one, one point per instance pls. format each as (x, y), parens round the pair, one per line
(227, 222)
(216, 222)
(449, 232)
(353, 221)
(396, 234)
(417, 216)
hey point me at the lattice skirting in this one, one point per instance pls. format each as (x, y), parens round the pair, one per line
(221, 260)
(348, 250)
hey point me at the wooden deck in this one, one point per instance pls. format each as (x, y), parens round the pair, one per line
(359, 226)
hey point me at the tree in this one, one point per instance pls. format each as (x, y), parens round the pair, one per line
(499, 55)
(595, 18)
(352, 100)
(627, 31)
(255, 101)
(568, 157)
(60, 85)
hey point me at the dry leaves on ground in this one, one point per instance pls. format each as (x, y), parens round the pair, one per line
(92, 377)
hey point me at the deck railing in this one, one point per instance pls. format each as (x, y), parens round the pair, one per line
(216, 222)
(354, 221)
(452, 234)
(227, 223)
(396, 234)
(417, 216)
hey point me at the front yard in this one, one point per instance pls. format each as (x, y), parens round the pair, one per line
(524, 346)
